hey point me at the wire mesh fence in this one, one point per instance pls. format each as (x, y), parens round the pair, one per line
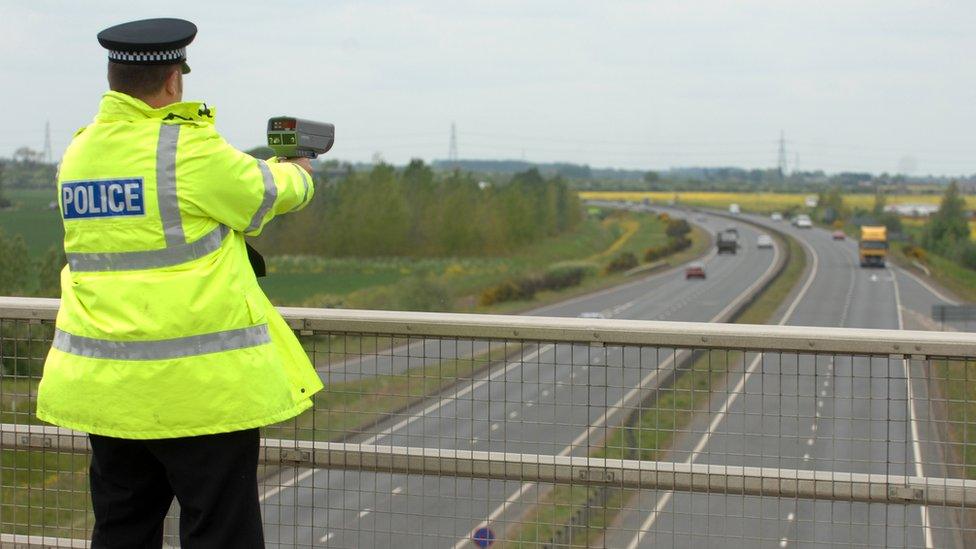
(463, 431)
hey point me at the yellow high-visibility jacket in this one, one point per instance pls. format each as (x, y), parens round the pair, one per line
(163, 330)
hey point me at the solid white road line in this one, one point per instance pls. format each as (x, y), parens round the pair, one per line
(913, 418)
(927, 286)
(720, 415)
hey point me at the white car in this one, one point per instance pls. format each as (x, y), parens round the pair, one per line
(804, 222)
(776, 216)
(764, 241)
(592, 315)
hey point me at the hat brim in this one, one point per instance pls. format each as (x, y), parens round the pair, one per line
(184, 68)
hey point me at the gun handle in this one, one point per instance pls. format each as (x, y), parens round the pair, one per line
(256, 260)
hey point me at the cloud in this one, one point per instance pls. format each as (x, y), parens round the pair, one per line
(632, 84)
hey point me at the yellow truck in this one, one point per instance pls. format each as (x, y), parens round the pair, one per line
(873, 246)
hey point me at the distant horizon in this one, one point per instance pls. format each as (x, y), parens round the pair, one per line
(432, 162)
(876, 86)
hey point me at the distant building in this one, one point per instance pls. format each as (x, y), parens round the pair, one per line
(912, 210)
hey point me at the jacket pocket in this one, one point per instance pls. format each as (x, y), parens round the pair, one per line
(255, 308)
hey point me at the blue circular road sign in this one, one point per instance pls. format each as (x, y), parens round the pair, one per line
(483, 537)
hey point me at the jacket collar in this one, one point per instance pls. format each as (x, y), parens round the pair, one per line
(116, 106)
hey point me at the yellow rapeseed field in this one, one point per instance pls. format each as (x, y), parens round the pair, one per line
(759, 202)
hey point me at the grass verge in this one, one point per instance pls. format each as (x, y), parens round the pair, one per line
(945, 272)
(701, 242)
(956, 379)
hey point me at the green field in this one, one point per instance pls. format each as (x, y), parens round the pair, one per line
(367, 282)
(32, 217)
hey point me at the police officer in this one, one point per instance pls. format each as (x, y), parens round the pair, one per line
(166, 351)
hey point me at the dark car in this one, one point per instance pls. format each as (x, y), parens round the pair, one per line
(695, 270)
(727, 242)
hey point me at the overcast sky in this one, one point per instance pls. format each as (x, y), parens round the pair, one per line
(876, 85)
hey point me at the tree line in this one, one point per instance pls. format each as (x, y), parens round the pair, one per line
(20, 276)
(946, 232)
(415, 212)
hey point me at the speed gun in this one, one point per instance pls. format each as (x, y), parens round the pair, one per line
(295, 137)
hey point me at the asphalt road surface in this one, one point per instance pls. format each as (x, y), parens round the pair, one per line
(554, 400)
(539, 404)
(829, 413)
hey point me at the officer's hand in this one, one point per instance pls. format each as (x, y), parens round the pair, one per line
(301, 161)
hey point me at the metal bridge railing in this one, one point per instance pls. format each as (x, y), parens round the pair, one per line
(465, 430)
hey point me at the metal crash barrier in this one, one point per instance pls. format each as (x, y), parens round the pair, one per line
(450, 430)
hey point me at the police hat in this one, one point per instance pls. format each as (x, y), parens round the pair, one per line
(149, 42)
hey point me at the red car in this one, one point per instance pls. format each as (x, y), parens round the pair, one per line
(838, 235)
(695, 270)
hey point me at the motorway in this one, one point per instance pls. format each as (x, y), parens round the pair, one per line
(551, 400)
(554, 400)
(826, 413)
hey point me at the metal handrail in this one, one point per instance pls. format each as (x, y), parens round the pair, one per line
(575, 470)
(688, 335)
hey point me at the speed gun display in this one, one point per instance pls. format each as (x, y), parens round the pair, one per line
(295, 137)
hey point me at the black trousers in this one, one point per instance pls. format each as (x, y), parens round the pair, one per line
(214, 477)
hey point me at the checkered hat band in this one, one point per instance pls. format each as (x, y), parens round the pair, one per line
(148, 56)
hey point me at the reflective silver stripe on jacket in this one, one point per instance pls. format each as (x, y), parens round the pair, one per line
(149, 259)
(169, 207)
(162, 349)
(304, 182)
(270, 195)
